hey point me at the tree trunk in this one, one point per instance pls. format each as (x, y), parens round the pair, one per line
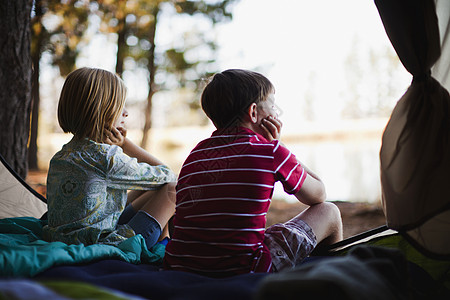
(35, 91)
(152, 68)
(121, 44)
(33, 147)
(15, 82)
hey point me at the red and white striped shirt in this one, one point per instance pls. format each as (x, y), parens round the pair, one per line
(223, 194)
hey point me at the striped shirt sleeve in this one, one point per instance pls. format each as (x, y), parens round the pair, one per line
(287, 169)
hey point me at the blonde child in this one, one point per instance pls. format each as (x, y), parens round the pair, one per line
(89, 177)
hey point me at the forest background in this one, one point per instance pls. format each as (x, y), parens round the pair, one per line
(337, 77)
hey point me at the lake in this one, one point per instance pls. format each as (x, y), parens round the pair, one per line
(350, 169)
(345, 156)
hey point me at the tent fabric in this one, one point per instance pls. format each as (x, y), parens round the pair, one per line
(434, 232)
(437, 269)
(344, 277)
(383, 268)
(415, 152)
(441, 70)
(17, 198)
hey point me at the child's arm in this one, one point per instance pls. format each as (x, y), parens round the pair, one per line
(313, 190)
(117, 136)
(133, 150)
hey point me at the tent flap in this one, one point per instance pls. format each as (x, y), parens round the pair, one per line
(17, 199)
(415, 151)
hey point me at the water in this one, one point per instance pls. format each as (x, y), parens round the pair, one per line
(349, 168)
(348, 164)
(346, 159)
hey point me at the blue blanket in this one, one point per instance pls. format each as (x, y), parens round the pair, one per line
(23, 253)
(367, 272)
(132, 269)
(150, 282)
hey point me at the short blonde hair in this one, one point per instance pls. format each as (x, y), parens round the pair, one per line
(91, 100)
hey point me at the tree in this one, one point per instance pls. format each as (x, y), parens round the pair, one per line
(15, 82)
(176, 62)
(61, 39)
(354, 74)
(373, 79)
(38, 39)
(137, 21)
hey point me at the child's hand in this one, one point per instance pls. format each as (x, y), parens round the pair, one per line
(271, 128)
(115, 136)
(123, 131)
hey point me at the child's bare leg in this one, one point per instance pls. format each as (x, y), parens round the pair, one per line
(138, 199)
(160, 204)
(133, 195)
(164, 232)
(325, 221)
(154, 208)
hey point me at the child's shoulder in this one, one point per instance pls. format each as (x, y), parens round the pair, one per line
(240, 136)
(88, 148)
(86, 144)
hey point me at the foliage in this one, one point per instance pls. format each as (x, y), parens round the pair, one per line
(136, 21)
(61, 29)
(369, 94)
(132, 21)
(64, 25)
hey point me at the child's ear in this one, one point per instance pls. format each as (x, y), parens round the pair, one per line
(253, 113)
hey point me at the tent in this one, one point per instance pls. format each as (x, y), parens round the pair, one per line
(415, 152)
(415, 170)
(17, 198)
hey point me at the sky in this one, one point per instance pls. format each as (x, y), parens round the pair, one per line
(302, 47)
(293, 41)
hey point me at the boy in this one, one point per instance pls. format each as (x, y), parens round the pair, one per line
(225, 187)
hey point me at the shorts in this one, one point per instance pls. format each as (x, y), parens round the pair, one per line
(289, 243)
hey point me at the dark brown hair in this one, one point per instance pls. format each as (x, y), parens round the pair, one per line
(229, 94)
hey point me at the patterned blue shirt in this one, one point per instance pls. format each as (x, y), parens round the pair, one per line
(87, 187)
